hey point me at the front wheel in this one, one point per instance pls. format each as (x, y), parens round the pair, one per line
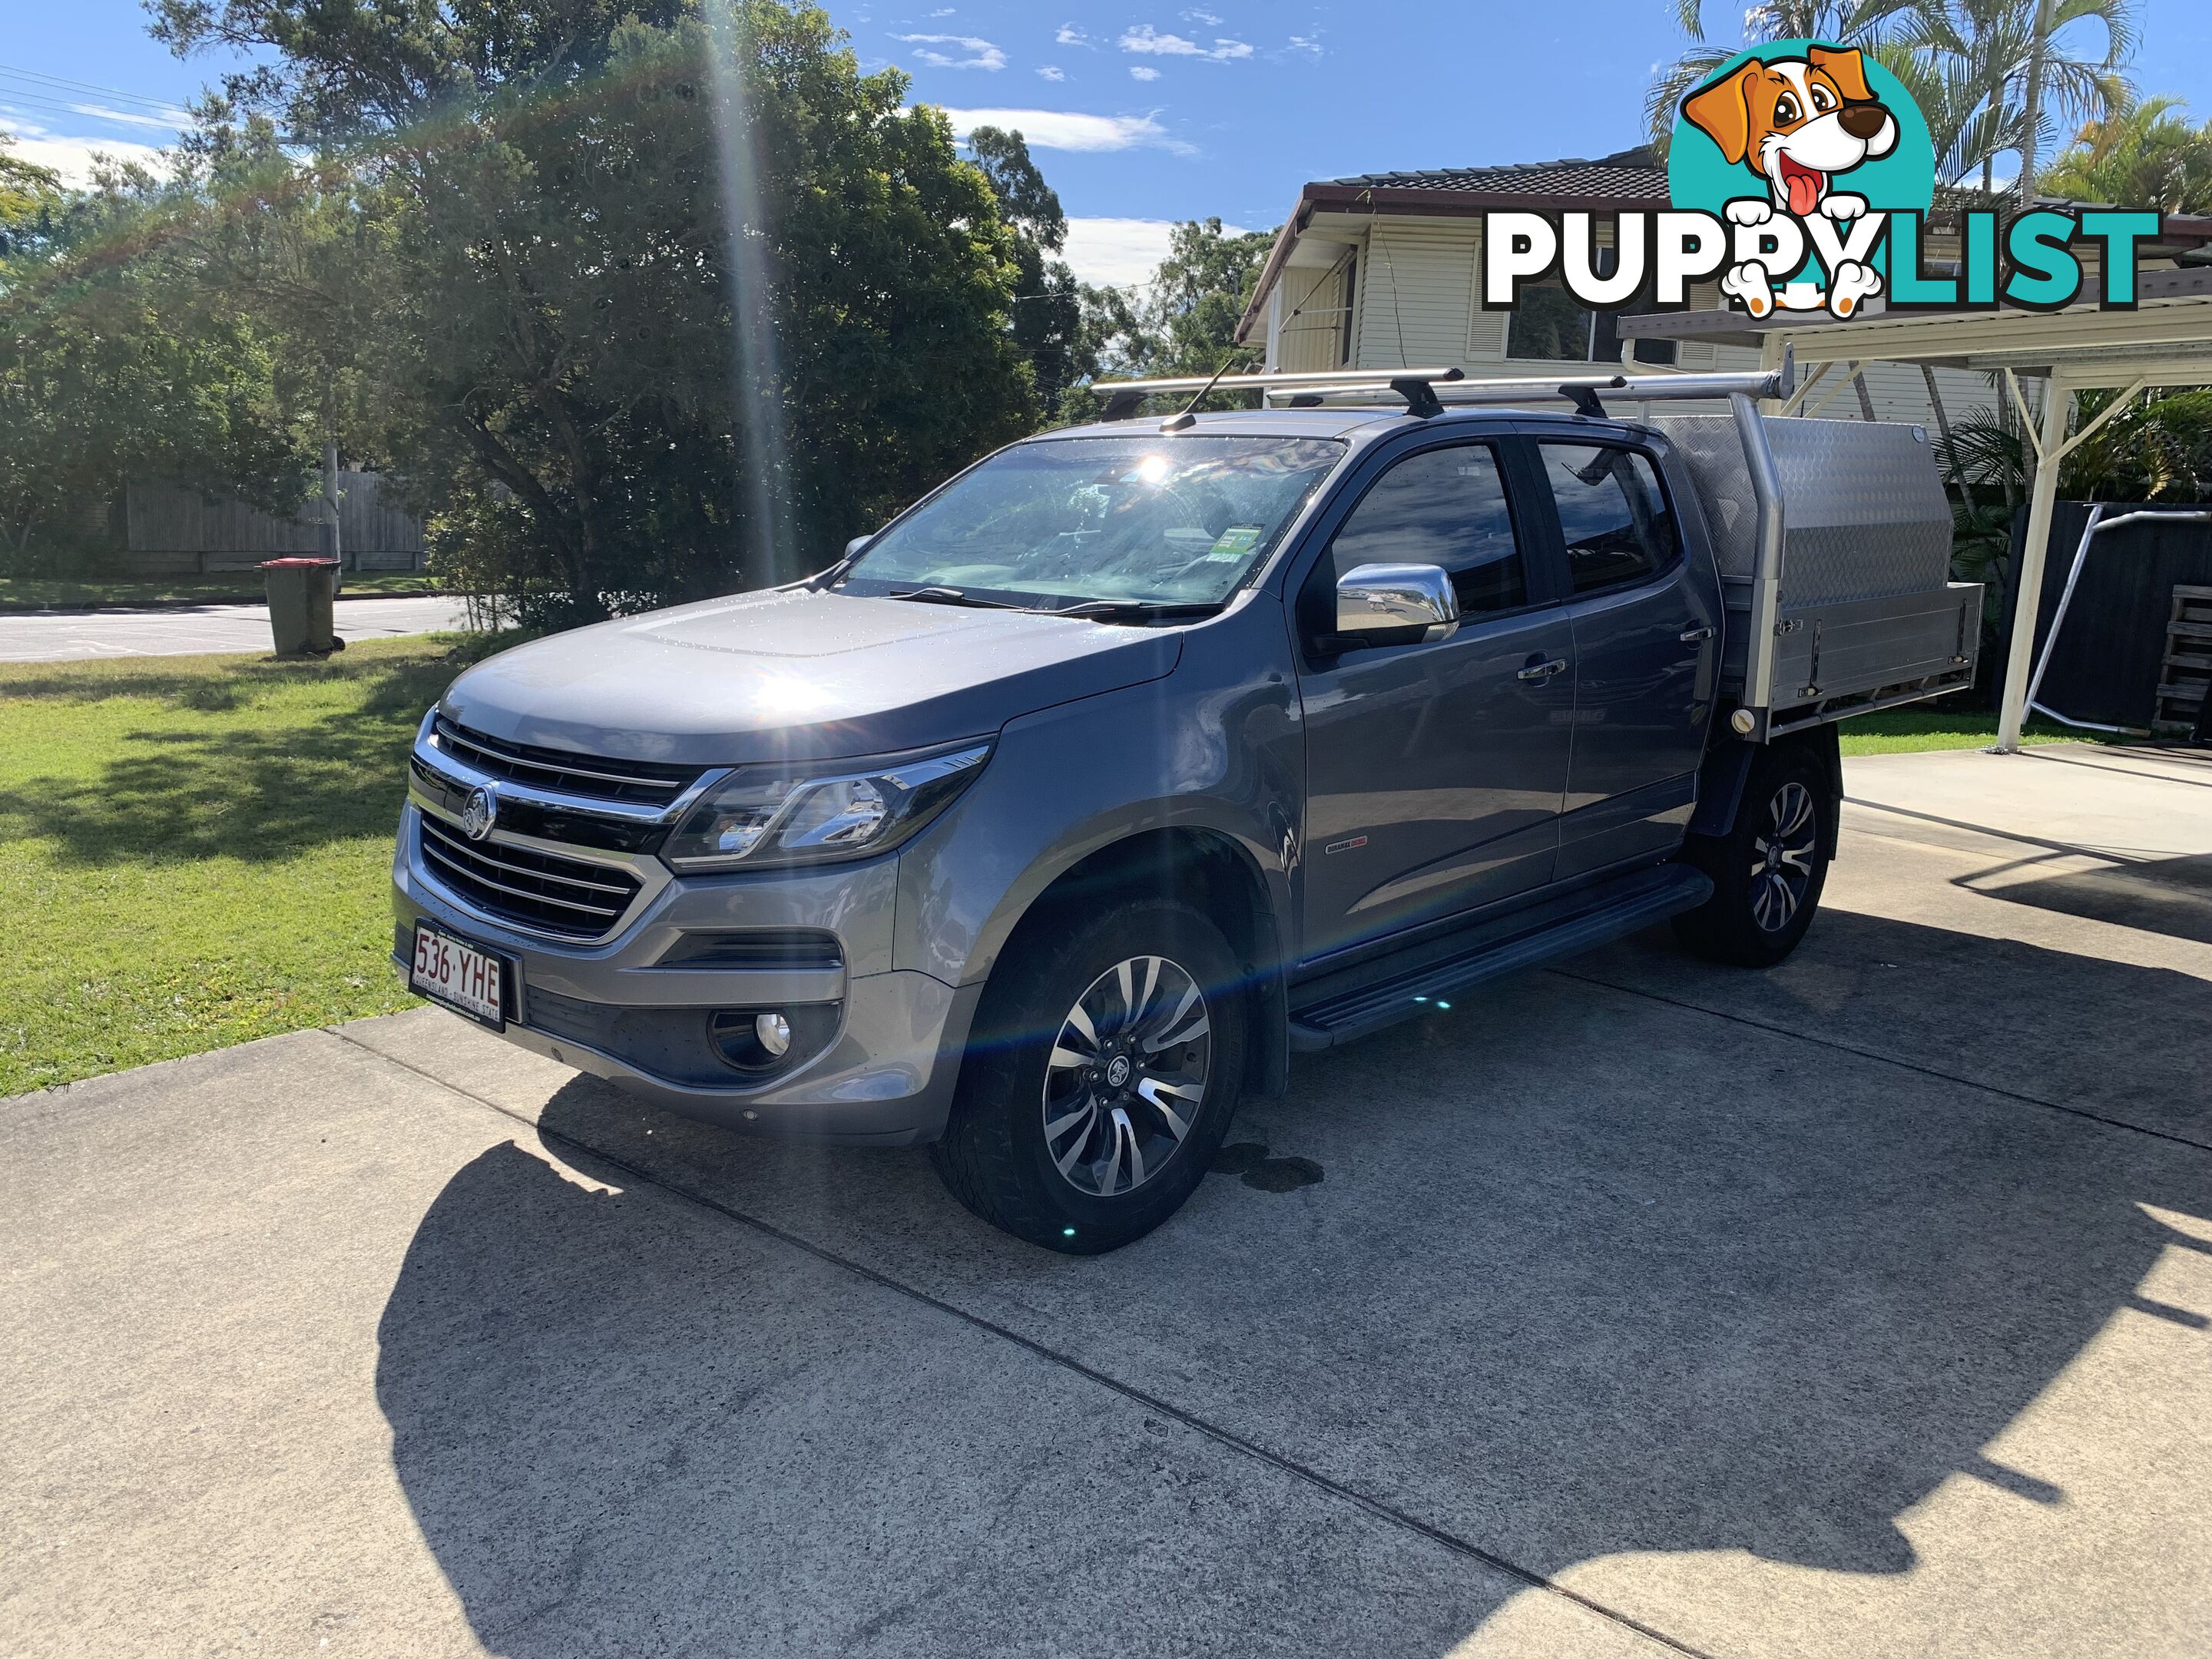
(1769, 869)
(1102, 1076)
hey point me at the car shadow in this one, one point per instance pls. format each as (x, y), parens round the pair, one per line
(1588, 1273)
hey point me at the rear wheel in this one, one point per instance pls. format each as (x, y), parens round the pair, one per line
(1769, 869)
(1101, 1079)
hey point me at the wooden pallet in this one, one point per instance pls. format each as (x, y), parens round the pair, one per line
(2185, 675)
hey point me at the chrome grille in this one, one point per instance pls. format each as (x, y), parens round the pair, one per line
(596, 777)
(544, 891)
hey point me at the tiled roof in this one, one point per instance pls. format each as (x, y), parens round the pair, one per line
(1633, 175)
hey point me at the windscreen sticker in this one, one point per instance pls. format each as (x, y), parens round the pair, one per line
(1236, 541)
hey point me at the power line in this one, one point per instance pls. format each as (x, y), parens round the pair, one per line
(10, 72)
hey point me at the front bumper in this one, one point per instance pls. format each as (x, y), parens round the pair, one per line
(885, 1078)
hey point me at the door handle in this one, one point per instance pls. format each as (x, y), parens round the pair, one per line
(1544, 671)
(1697, 636)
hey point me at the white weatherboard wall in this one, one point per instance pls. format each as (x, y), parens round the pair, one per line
(1316, 314)
(1415, 303)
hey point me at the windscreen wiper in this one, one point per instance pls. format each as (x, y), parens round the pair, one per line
(1135, 610)
(953, 596)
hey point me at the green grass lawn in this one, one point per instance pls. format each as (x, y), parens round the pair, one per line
(194, 850)
(1910, 731)
(43, 592)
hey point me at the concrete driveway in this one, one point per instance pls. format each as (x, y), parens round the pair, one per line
(203, 629)
(1639, 1307)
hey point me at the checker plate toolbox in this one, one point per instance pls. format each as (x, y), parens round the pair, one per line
(1865, 614)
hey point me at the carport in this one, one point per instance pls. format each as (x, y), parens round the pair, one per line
(2164, 340)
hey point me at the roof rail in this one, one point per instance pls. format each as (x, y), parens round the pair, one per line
(1428, 392)
(1413, 385)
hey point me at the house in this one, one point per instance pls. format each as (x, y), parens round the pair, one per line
(1381, 272)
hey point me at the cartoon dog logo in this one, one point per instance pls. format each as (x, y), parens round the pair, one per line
(1797, 122)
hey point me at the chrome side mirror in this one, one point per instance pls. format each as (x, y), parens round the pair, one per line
(1394, 604)
(857, 544)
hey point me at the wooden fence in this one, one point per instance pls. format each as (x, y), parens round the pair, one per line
(174, 530)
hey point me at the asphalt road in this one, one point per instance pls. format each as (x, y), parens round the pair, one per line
(1639, 1308)
(196, 630)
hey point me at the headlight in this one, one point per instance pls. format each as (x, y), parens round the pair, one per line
(764, 815)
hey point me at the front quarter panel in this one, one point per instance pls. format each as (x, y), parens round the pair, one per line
(1215, 745)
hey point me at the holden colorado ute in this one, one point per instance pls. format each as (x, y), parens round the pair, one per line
(1068, 807)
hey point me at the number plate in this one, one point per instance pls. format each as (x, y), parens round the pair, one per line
(467, 980)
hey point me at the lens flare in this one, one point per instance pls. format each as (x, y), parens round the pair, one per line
(767, 549)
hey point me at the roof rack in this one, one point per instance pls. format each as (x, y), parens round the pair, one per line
(1420, 388)
(1415, 385)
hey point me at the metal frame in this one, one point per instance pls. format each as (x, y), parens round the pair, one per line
(2166, 340)
(2097, 525)
(1766, 575)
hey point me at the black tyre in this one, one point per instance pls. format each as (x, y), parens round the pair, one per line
(1102, 1074)
(1767, 871)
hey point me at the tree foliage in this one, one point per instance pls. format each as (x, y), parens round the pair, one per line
(1975, 67)
(640, 302)
(2149, 157)
(117, 358)
(1183, 321)
(2157, 448)
(1048, 316)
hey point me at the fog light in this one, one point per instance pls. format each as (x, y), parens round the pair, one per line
(773, 1031)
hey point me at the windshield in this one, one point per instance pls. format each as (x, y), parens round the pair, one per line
(1163, 520)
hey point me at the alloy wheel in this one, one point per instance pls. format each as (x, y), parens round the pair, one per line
(1127, 1075)
(1783, 858)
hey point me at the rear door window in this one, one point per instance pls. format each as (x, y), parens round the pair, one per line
(1447, 507)
(1614, 516)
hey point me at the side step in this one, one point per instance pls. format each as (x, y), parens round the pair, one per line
(1600, 914)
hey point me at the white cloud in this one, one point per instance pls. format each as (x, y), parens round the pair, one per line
(944, 11)
(1206, 19)
(1052, 72)
(1311, 48)
(1070, 35)
(1143, 72)
(1117, 253)
(1146, 39)
(71, 157)
(982, 54)
(1052, 129)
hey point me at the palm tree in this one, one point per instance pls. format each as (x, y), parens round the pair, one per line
(2149, 157)
(1839, 20)
(2074, 87)
(1990, 75)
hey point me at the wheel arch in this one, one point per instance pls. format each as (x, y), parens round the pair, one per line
(1726, 775)
(1216, 875)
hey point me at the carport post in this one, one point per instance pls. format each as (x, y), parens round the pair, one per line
(2057, 403)
(2053, 447)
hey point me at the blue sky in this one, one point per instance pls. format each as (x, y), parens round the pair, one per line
(1139, 114)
